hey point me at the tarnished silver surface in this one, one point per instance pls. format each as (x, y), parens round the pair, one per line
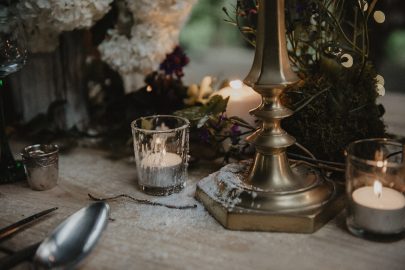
(41, 162)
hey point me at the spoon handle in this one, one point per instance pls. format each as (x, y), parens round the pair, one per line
(18, 257)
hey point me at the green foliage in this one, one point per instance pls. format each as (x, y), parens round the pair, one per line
(216, 105)
(205, 27)
(212, 133)
(395, 47)
(198, 115)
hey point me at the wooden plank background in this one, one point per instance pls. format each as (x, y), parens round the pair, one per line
(50, 77)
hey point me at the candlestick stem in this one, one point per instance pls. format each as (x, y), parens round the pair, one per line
(270, 74)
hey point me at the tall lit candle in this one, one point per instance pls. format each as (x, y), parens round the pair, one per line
(242, 99)
(379, 209)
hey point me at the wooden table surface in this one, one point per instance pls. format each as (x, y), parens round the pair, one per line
(154, 237)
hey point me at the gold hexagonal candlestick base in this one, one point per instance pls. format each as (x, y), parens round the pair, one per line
(230, 201)
(269, 194)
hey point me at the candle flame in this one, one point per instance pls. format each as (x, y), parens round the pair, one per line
(378, 188)
(379, 157)
(158, 145)
(381, 164)
(236, 84)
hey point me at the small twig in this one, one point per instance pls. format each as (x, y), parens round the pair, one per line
(305, 150)
(311, 155)
(339, 27)
(224, 137)
(300, 157)
(309, 100)
(371, 8)
(355, 27)
(393, 154)
(241, 123)
(141, 201)
(319, 166)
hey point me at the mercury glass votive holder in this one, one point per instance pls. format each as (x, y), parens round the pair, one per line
(161, 145)
(41, 163)
(375, 186)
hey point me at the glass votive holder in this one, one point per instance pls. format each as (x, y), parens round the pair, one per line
(41, 163)
(375, 186)
(161, 144)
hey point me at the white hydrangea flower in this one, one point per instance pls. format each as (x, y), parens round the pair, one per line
(46, 19)
(155, 28)
(153, 35)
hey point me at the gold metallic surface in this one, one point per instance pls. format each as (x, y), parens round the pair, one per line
(270, 74)
(270, 195)
(244, 219)
(240, 206)
(282, 189)
(271, 67)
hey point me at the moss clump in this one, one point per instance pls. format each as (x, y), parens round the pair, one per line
(343, 109)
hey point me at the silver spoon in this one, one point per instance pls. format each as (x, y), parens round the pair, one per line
(73, 240)
(69, 243)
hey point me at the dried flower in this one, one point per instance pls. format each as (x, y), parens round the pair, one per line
(153, 35)
(199, 94)
(235, 133)
(174, 63)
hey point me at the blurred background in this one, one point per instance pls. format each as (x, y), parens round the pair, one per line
(216, 48)
(207, 37)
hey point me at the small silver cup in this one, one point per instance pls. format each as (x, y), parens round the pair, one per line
(41, 165)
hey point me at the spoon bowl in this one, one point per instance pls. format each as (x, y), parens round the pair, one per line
(73, 239)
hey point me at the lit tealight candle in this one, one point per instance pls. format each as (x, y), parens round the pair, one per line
(161, 160)
(160, 169)
(242, 99)
(379, 209)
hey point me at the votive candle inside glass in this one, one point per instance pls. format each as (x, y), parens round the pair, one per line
(161, 144)
(375, 186)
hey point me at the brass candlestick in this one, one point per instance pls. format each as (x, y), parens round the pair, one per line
(269, 195)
